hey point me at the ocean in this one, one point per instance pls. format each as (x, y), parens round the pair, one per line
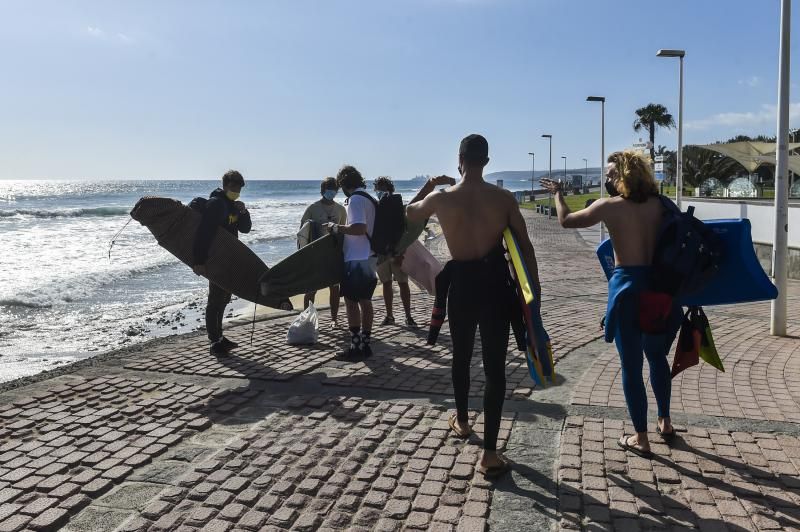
(64, 298)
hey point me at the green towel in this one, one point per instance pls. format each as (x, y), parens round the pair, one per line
(708, 351)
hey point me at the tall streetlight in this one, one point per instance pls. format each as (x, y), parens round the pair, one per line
(533, 171)
(549, 175)
(602, 100)
(679, 170)
(780, 242)
(586, 170)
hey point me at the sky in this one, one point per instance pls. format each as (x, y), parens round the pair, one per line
(293, 89)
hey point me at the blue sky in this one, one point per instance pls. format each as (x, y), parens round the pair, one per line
(292, 89)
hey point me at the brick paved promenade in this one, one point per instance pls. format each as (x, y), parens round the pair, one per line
(166, 437)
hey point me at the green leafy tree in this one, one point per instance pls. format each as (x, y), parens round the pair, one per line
(649, 118)
(700, 164)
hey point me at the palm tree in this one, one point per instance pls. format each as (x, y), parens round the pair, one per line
(649, 118)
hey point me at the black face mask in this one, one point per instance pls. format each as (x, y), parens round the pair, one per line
(611, 189)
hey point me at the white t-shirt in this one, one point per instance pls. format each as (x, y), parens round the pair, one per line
(360, 210)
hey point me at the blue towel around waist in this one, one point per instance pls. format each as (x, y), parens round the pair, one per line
(626, 283)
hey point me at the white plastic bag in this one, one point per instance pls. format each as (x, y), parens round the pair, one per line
(305, 328)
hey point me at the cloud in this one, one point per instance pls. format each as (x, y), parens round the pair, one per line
(752, 81)
(100, 34)
(766, 115)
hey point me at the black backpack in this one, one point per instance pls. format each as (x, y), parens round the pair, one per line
(199, 204)
(390, 223)
(687, 254)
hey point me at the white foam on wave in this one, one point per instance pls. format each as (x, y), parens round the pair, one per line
(65, 213)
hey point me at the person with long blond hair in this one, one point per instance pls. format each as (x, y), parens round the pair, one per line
(633, 214)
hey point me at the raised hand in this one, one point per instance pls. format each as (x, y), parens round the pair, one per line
(551, 186)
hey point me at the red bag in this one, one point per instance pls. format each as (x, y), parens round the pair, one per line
(687, 351)
(655, 309)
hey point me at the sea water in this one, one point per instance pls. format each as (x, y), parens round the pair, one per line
(64, 297)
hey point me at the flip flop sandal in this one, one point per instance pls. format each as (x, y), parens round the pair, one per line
(495, 472)
(623, 443)
(459, 433)
(666, 436)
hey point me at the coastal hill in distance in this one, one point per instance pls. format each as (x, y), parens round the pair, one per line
(515, 176)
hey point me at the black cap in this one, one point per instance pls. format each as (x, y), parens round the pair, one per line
(474, 149)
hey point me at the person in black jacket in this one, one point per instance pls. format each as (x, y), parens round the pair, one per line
(222, 210)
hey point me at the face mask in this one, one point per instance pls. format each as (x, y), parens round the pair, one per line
(329, 194)
(233, 196)
(611, 189)
(382, 194)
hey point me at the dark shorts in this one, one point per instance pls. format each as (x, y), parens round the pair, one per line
(359, 280)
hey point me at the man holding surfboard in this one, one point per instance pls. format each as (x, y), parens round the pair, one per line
(473, 215)
(320, 214)
(221, 210)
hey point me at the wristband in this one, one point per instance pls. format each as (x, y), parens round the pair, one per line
(335, 229)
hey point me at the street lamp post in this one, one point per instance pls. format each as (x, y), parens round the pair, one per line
(780, 241)
(585, 171)
(533, 172)
(602, 100)
(550, 175)
(679, 170)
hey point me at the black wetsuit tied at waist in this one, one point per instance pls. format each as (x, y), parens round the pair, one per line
(495, 273)
(481, 294)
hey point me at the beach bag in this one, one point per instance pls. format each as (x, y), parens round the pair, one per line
(390, 223)
(304, 330)
(199, 204)
(687, 350)
(695, 343)
(687, 253)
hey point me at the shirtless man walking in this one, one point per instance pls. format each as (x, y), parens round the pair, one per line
(473, 215)
(633, 215)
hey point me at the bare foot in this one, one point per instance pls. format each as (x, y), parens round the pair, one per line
(493, 466)
(491, 459)
(637, 444)
(460, 428)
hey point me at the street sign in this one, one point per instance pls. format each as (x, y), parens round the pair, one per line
(660, 176)
(659, 159)
(659, 166)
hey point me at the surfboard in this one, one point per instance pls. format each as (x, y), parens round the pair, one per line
(317, 265)
(304, 234)
(411, 235)
(539, 352)
(421, 266)
(740, 279)
(231, 264)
